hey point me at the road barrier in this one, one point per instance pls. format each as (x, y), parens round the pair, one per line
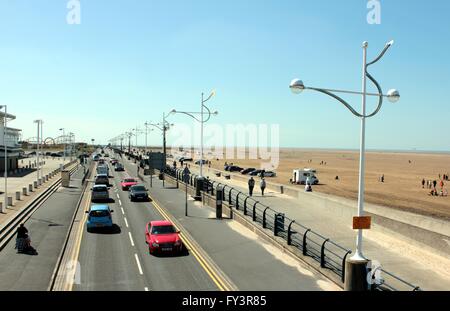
(327, 253)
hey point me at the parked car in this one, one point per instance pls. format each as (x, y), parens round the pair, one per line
(255, 173)
(113, 161)
(119, 167)
(247, 171)
(186, 159)
(270, 174)
(138, 192)
(99, 217)
(55, 155)
(235, 169)
(162, 237)
(100, 193)
(102, 179)
(127, 183)
(204, 162)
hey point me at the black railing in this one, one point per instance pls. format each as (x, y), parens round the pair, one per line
(329, 254)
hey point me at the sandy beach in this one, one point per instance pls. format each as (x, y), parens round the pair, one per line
(403, 174)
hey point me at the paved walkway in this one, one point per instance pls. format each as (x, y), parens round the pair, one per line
(415, 265)
(17, 183)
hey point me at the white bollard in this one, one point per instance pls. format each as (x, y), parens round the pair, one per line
(35, 184)
(17, 195)
(24, 191)
(10, 201)
(30, 187)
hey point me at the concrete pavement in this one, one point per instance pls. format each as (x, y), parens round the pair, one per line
(397, 255)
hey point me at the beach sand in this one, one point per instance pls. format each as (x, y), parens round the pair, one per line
(402, 188)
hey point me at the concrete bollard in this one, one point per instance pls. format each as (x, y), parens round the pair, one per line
(24, 191)
(35, 184)
(46, 177)
(10, 201)
(30, 187)
(17, 195)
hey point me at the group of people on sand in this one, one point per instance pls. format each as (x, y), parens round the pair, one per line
(433, 186)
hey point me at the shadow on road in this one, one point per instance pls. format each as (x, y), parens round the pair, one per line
(115, 229)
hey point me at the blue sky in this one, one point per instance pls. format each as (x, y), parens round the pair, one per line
(130, 61)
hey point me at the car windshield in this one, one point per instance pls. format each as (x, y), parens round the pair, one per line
(99, 213)
(129, 180)
(163, 229)
(100, 189)
(138, 188)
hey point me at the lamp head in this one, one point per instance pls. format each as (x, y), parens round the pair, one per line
(173, 111)
(297, 86)
(390, 43)
(216, 113)
(393, 95)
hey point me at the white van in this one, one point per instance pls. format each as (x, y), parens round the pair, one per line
(300, 176)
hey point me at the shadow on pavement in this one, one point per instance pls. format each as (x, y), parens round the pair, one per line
(115, 229)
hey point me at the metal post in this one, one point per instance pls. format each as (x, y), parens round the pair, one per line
(37, 150)
(201, 141)
(359, 240)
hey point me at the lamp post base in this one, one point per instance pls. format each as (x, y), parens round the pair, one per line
(356, 274)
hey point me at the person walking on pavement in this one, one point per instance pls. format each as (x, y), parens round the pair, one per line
(263, 185)
(423, 183)
(434, 184)
(251, 185)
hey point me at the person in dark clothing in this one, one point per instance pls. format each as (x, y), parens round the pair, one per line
(251, 186)
(22, 232)
(423, 183)
(434, 184)
(263, 185)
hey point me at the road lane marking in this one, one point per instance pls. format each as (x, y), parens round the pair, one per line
(118, 196)
(123, 212)
(138, 264)
(203, 263)
(120, 202)
(126, 222)
(146, 289)
(131, 239)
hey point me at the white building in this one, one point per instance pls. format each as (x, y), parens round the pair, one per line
(12, 138)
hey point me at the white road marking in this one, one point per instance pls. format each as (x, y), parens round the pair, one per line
(138, 264)
(146, 289)
(123, 212)
(131, 239)
(120, 202)
(126, 222)
(117, 195)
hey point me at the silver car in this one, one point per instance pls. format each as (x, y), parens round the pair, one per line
(100, 193)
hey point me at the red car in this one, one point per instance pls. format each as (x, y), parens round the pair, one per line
(162, 237)
(127, 183)
(113, 161)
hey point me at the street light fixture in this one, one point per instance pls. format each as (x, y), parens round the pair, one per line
(201, 120)
(357, 263)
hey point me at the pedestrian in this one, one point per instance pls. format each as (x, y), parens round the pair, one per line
(423, 183)
(251, 186)
(441, 184)
(382, 178)
(434, 184)
(263, 185)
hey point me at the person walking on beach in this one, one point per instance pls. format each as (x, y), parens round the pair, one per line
(434, 184)
(263, 185)
(423, 183)
(441, 184)
(251, 186)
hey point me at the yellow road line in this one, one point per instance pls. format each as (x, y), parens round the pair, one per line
(203, 263)
(77, 245)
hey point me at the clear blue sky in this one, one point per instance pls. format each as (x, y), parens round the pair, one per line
(130, 61)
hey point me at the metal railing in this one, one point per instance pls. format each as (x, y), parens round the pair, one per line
(329, 254)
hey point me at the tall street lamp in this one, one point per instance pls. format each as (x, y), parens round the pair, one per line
(202, 121)
(356, 272)
(147, 124)
(38, 142)
(164, 127)
(64, 139)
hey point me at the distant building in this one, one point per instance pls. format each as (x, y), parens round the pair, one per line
(12, 137)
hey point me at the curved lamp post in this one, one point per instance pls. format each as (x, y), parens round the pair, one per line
(202, 121)
(297, 86)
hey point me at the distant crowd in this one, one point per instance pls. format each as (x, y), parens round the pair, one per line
(434, 185)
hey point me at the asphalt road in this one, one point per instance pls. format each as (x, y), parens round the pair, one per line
(249, 262)
(48, 227)
(120, 260)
